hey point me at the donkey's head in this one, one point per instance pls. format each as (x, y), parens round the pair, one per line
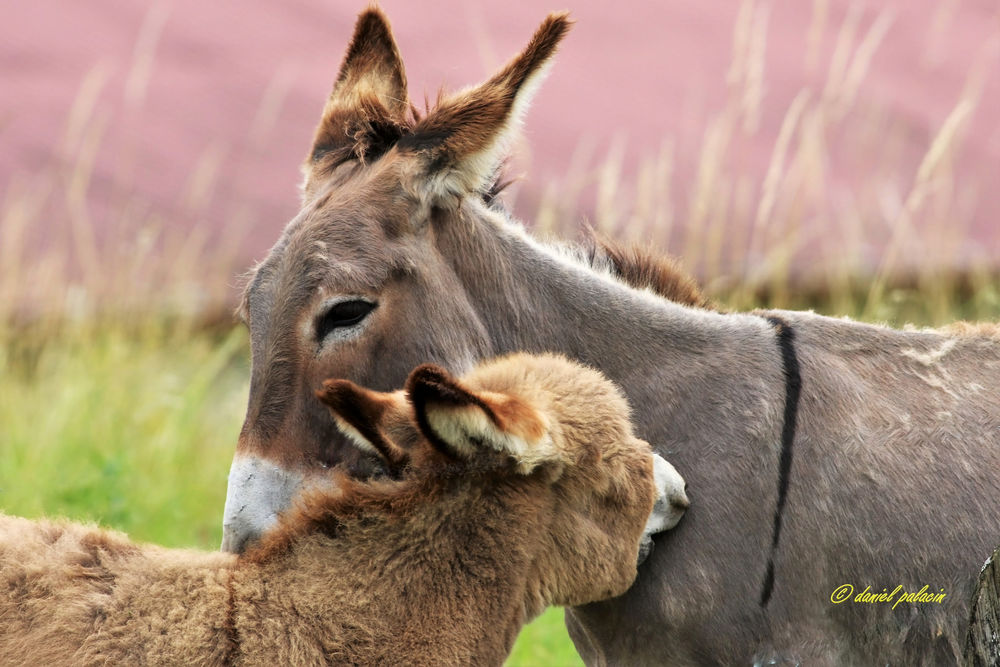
(535, 453)
(357, 287)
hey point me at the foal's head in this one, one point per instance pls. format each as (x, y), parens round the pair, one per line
(536, 452)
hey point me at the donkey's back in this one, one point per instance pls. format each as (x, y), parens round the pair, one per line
(891, 504)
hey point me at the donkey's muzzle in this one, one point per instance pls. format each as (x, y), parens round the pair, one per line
(670, 505)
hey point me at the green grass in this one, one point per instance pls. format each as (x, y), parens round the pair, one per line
(544, 643)
(131, 430)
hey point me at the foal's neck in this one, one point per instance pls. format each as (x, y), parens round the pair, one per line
(448, 579)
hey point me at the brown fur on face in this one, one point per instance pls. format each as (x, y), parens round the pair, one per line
(442, 566)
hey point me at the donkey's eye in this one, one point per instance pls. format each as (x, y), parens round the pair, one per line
(341, 315)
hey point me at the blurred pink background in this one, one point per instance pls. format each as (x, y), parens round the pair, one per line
(198, 113)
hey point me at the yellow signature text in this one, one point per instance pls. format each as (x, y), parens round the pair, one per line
(896, 596)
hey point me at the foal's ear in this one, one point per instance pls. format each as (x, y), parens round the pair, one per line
(464, 140)
(460, 421)
(359, 414)
(369, 103)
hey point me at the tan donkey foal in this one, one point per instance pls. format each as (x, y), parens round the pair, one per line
(519, 486)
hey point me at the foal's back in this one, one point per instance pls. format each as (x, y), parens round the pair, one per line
(62, 584)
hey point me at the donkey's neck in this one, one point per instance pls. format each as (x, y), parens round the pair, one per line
(534, 297)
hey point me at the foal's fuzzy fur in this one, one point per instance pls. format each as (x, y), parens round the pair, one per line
(518, 487)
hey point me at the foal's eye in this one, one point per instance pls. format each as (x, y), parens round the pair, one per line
(341, 315)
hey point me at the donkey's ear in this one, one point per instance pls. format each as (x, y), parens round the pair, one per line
(460, 421)
(360, 414)
(369, 103)
(464, 140)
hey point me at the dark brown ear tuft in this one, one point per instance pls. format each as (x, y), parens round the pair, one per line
(464, 139)
(369, 107)
(359, 414)
(541, 47)
(373, 57)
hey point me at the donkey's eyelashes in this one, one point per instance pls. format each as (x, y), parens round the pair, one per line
(342, 315)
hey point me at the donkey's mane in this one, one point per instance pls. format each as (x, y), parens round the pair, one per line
(629, 263)
(643, 269)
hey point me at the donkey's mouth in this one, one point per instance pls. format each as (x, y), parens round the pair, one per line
(258, 490)
(671, 501)
(670, 505)
(338, 453)
(369, 468)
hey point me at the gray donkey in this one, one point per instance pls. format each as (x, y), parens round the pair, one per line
(845, 478)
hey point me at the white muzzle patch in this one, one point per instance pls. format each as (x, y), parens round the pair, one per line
(671, 503)
(258, 491)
